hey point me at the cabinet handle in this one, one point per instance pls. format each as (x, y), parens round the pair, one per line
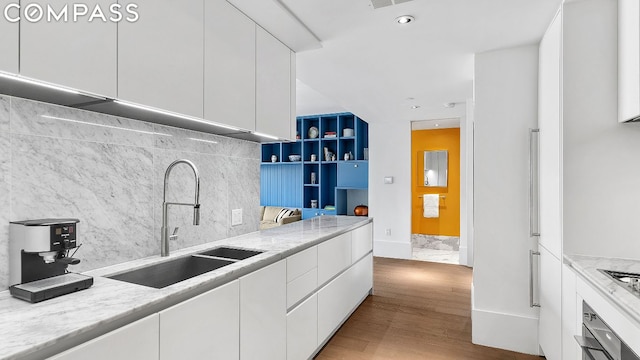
(534, 197)
(531, 254)
(355, 166)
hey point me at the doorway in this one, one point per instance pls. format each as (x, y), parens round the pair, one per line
(435, 193)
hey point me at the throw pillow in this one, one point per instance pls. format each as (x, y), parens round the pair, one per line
(283, 213)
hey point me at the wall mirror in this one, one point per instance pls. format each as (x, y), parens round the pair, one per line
(435, 168)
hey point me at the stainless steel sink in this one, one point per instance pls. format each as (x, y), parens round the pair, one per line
(172, 271)
(629, 281)
(230, 253)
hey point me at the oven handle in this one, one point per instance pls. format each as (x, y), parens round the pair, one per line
(588, 345)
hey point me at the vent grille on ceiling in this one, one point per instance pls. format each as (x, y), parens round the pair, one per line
(382, 3)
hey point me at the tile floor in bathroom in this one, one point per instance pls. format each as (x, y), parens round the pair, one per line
(435, 248)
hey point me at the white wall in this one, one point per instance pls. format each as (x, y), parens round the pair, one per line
(390, 204)
(506, 86)
(601, 173)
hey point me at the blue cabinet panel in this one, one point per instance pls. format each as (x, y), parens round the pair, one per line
(280, 185)
(309, 213)
(353, 174)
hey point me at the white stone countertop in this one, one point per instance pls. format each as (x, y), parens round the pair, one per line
(35, 331)
(587, 267)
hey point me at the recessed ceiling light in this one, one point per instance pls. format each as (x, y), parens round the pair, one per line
(449, 105)
(415, 107)
(437, 125)
(404, 19)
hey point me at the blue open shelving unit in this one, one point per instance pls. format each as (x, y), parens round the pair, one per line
(339, 183)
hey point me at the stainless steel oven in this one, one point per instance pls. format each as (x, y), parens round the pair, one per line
(598, 341)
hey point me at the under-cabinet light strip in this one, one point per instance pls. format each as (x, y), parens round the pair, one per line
(203, 140)
(48, 85)
(265, 135)
(164, 112)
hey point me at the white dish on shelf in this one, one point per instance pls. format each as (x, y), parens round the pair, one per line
(293, 158)
(313, 132)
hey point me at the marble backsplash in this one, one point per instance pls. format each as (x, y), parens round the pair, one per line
(109, 172)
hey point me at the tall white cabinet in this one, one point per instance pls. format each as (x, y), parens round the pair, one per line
(550, 198)
(628, 59)
(161, 56)
(9, 40)
(229, 65)
(578, 62)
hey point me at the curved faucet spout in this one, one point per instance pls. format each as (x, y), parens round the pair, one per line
(164, 241)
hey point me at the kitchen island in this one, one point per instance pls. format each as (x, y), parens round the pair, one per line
(316, 265)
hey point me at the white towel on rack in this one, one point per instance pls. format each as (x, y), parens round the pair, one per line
(431, 205)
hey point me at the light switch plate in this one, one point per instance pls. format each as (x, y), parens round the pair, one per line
(236, 217)
(388, 179)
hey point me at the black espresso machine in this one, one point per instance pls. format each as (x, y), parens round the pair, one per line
(39, 254)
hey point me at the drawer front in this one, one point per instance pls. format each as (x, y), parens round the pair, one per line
(333, 256)
(361, 242)
(353, 174)
(301, 263)
(302, 329)
(301, 287)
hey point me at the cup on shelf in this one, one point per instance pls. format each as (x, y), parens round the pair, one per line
(314, 204)
(313, 157)
(274, 158)
(346, 132)
(313, 177)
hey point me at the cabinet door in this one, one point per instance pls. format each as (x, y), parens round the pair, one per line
(550, 124)
(229, 66)
(78, 54)
(273, 86)
(353, 174)
(204, 327)
(361, 242)
(341, 296)
(161, 56)
(628, 59)
(263, 322)
(138, 340)
(9, 40)
(334, 256)
(302, 329)
(550, 325)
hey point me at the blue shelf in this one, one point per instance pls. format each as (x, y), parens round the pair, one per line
(285, 183)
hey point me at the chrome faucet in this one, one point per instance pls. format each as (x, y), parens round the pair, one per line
(164, 241)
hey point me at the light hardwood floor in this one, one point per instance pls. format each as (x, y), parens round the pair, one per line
(419, 310)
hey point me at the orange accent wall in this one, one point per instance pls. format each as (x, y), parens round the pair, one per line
(449, 221)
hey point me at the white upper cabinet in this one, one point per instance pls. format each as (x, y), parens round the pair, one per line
(229, 66)
(79, 54)
(161, 56)
(9, 41)
(628, 59)
(273, 86)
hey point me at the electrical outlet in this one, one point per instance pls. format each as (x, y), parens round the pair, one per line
(387, 232)
(236, 217)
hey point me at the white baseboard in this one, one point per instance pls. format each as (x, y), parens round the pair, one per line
(505, 331)
(463, 256)
(392, 249)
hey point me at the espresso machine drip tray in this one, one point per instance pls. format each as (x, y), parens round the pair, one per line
(48, 288)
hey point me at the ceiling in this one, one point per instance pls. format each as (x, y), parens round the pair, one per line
(354, 57)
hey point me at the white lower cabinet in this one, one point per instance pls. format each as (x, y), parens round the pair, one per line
(361, 242)
(204, 327)
(302, 329)
(263, 311)
(338, 298)
(138, 340)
